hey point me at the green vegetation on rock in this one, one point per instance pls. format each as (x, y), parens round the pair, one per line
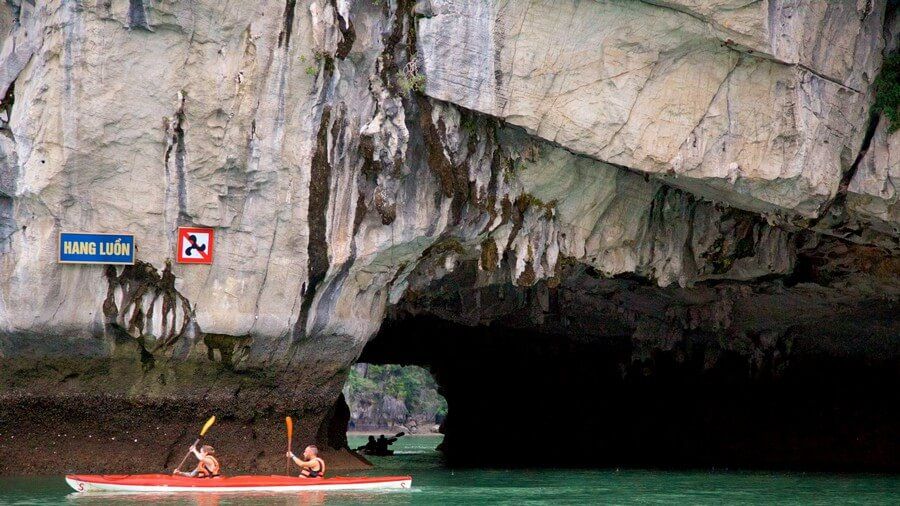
(887, 86)
(409, 78)
(373, 392)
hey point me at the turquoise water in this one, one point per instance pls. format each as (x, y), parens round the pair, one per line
(434, 484)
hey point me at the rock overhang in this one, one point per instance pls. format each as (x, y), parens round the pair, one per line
(661, 88)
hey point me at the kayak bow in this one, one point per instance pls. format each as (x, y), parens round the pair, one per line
(273, 483)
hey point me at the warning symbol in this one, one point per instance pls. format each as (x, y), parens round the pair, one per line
(195, 245)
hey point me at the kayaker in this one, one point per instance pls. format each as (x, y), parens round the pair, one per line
(208, 465)
(311, 466)
(370, 447)
(382, 444)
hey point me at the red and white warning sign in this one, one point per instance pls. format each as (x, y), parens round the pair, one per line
(195, 245)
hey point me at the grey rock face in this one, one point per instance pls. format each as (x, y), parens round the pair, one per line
(746, 104)
(351, 156)
(872, 194)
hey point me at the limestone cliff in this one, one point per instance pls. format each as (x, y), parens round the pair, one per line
(694, 179)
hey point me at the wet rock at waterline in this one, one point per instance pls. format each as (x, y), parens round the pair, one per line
(692, 180)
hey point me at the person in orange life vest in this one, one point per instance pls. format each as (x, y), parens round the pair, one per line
(311, 466)
(208, 466)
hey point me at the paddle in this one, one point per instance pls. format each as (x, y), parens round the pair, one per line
(290, 433)
(206, 427)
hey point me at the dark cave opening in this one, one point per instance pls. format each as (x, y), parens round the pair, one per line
(520, 398)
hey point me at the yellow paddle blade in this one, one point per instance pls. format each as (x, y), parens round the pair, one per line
(208, 424)
(290, 426)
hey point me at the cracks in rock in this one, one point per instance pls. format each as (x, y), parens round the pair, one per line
(348, 33)
(137, 15)
(268, 263)
(515, 51)
(175, 156)
(317, 247)
(724, 85)
(6, 107)
(284, 37)
(366, 182)
(8, 172)
(615, 134)
(834, 211)
(820, 75)
(695, 15)
(742, 50)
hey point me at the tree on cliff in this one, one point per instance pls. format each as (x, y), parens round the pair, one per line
(386, 396)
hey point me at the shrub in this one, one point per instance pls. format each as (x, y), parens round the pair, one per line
(409, 78)
(887, 91)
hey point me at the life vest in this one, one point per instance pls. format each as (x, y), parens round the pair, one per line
(320, 473)
(208, 467)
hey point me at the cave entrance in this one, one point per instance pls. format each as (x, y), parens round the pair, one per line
(519, 397)
(392, 398)
(512, 394)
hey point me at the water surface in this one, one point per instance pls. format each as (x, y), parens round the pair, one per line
(435, 484)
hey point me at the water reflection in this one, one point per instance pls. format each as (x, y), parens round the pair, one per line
(197, 498)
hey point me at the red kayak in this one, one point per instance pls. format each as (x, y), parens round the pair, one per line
(169, 483)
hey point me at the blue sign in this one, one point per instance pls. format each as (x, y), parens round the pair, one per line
(77, 248)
